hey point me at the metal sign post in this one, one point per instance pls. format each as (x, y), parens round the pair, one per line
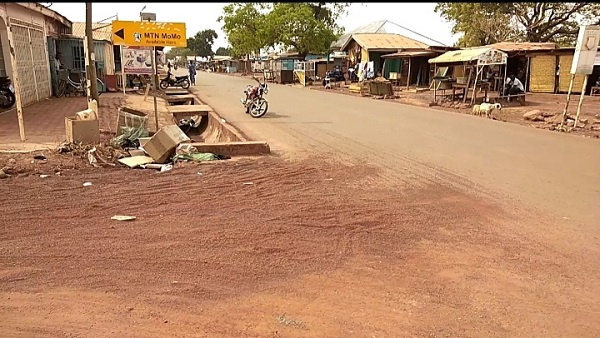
(583, 63)
(154, 87)
(150, 34)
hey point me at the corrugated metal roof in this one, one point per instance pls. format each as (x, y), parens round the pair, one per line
(414, 53)
(222, 58)
(385, 41)
(383, 27)
(463, 55)
(373, 27)
(100, 31)
(507, 46)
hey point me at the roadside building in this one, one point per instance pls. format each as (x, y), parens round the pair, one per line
(72, 54)
(27, 28)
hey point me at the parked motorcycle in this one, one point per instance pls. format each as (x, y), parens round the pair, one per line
(7, 92)
(254, 102)
(179, 81)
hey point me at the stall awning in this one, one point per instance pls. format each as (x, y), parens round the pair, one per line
(483, 55)
(407, 54)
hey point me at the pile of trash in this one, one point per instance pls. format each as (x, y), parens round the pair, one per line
(169, 145)
(101, 153)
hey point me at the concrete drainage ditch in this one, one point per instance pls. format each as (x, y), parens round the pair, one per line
(211, 134)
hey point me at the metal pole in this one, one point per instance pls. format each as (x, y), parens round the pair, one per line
(527, 73)
(581, 99)
(16, 84)
(154, 86)
(505, 75)
(408, 77)
(91, 72)
(123, 75)
(562, 122)
(434, 84)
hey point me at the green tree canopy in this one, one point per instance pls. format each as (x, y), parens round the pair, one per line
(305, 26)
(487, 23)
(242, 23)
(222, 51)
(298, 25)
(201, 43)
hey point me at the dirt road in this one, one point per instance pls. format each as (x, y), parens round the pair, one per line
(557, 173)
(364, 227)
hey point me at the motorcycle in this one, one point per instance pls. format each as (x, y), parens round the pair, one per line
(179, 81)
(7, 92)
(254, 102)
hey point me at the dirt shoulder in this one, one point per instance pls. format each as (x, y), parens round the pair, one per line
(269, 248)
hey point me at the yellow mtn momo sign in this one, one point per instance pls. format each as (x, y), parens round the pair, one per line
(148, 34)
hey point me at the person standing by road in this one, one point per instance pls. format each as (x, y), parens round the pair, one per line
(192, 72)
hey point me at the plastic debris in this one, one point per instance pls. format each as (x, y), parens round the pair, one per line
(123, 218)
(92, 158)
(87, 184)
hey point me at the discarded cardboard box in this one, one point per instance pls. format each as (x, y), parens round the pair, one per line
(84, 131)
(136, 161)
(131, 118)
(162, 144)
(143, 140)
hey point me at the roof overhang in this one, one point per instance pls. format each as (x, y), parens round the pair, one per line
(409, 54)
(34, 6)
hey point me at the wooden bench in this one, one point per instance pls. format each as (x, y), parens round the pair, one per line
(180, 99)
(520, 97)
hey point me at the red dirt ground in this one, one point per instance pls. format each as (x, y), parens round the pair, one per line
(306, 250)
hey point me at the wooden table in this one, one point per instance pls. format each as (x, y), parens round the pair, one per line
(462, 86)
(483, 85)
(497, 82)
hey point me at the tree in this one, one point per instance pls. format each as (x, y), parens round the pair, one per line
(242, 23)
(487, 23)
(222, 51)
(304, 26)
(201, 43)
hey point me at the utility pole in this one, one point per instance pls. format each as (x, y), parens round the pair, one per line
(91, 58)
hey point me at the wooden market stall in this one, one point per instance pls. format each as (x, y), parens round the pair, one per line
(470, 63)
(415, 73)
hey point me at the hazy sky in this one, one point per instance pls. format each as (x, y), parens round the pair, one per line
(418, 17)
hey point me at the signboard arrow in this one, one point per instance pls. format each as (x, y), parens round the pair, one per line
(149, 34)
(120, 33)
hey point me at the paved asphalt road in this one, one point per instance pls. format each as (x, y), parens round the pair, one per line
(554, 173)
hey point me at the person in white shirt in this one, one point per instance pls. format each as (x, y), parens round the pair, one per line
(513, 86)
(57, 63)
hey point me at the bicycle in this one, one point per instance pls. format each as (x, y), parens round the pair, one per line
(68, 86)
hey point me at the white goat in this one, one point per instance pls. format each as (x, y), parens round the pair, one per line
(488, 109)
